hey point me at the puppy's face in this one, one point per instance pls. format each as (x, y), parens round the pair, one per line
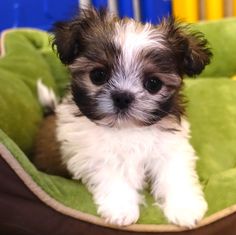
(126, 72)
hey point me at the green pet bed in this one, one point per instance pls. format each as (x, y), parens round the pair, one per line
(32, 202)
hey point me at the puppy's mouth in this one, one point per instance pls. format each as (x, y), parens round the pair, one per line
(122, 114)
(122, 119)
(116, 118)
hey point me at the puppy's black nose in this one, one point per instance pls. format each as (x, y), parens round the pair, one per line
(122, 100)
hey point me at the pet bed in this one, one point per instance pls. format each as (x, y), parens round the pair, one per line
(32, 202)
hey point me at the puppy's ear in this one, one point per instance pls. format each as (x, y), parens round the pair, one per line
(66, 41)
(70, 36)
(190, 48)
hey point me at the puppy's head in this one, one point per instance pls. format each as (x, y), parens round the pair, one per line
(127, 72)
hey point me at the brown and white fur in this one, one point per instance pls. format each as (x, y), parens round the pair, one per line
(122, 123)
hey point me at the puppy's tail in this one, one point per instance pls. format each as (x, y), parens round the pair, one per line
(47, 98)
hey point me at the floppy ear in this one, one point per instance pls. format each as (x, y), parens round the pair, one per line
(70, 36)
(66, 41)
(190, 48)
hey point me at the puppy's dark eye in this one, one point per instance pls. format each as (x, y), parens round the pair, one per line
(153, 85)
(99, 76)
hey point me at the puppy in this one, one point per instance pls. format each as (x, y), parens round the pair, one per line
(122, 123)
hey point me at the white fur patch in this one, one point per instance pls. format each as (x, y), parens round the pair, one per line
(133, 38)
(46, 96)
(114, 163)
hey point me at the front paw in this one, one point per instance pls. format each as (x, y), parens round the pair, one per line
(119, 213)
(185, 211)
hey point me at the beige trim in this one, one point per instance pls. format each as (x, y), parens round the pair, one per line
(5, 32)
(51, 202)
(2, 48)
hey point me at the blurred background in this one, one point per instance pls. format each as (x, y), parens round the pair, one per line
(43, 13)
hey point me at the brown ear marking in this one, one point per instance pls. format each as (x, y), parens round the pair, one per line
(70, 36)
(191, 48)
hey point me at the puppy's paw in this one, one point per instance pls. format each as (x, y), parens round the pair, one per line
(119, 213)
(186, 212)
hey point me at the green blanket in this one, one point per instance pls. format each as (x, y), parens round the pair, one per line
(27, 56)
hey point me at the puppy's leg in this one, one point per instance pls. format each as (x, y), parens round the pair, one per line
(117, 201)
(114, 193)
(175, 182)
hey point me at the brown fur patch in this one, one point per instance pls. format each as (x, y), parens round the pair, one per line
(46, 155)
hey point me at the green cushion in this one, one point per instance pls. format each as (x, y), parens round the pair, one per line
(26, 57)
(211, 112)
(222, 37)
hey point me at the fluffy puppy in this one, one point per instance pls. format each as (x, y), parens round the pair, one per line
(122, 123)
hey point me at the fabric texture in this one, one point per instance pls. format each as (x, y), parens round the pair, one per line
(222, 38)
(18, 202)
(27, 57)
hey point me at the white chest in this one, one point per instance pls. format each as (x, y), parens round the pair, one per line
(87, 148)
(85, 138)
